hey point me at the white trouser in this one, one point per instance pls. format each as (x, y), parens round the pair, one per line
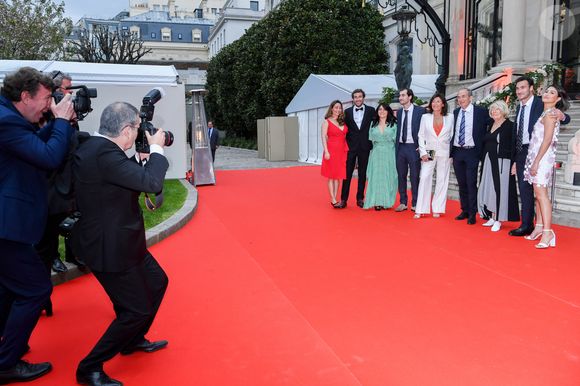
(442, 164)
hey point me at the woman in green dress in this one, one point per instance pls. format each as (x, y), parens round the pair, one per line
(382, 170)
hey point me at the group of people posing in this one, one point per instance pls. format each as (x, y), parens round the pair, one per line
(419, 143)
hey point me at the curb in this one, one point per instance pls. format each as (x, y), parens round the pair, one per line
(153, 235)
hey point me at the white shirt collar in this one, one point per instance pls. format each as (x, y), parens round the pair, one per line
(468, 109)
(528, 103)
(97, 134)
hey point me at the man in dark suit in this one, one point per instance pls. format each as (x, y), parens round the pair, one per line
(358, 120)
(467, 146)
(26, 154)
(528, 112)
(406, 147)
(214, 138)
(110, 235)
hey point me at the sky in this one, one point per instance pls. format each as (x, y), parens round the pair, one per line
(75, 9)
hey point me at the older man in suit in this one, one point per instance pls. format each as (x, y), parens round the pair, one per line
(110, 236)
(528, 112)
(358, 120)
(407, 147)
(467, 145)
(26, 154)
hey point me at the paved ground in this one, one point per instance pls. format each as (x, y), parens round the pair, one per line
(230, 158)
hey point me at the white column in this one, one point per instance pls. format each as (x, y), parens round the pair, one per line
(513, 33)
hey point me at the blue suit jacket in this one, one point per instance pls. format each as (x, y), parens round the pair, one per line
(418, 112)
(537, 109)
(481, 120)
(26, 154)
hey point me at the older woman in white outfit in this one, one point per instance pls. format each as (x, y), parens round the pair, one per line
(435, 135)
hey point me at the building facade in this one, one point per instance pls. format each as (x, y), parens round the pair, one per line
(199, 9)
(237, 17)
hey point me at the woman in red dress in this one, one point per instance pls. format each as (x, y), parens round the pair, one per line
(335, 149)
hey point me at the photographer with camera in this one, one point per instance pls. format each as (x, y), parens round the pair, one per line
(60, 198)
(110, 234)
(26, 154)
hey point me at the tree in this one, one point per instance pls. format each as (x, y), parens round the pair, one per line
(105, 46)
(258, 75)
(32, 29)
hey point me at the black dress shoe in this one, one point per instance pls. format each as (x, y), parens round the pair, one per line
(145, 346)
(58, 266)
(48, 308)
(96, 378)
(24, 372)
(462, 216)
(360, 203)
(341, 205)
(471, 220)
(521, 231)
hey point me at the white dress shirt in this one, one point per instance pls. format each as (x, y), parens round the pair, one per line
(409, 127)
(528, 104)
(358, 115)
(468, 127)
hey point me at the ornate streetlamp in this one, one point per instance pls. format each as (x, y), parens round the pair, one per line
(404, 17)
(404, 68)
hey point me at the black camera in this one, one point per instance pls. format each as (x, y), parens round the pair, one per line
(146, 115)
(81, 100)
(67, 225)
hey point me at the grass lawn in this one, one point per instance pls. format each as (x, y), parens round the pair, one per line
(174, 194)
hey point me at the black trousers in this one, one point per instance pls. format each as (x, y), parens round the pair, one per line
(526, 190)
(47, 248)
(136, 295)
(353, 157)
(465, 165)
(408, 161)
(24, 290)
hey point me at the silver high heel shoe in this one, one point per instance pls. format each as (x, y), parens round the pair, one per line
(551, 243)
(533, 236)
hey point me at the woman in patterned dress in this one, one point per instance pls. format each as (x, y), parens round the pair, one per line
(540, 161)
(335, 149)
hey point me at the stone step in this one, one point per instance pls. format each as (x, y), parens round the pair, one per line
(567, 205)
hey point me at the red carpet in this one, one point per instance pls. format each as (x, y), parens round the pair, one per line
(271, 286)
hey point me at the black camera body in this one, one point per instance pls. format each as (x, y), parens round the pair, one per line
(81, 100)
(67, 225)
(146, 115)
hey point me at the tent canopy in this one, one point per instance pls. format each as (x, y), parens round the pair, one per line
(98, 72)
(319, 90)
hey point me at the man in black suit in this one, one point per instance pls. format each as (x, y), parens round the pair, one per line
(467, 145)
(26, 155)
(110, 235)
(406, 147)
(358, 120)
(528, 112)
(214, 138)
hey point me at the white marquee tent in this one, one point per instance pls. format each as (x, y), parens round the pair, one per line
(311, 101)
(128, 83)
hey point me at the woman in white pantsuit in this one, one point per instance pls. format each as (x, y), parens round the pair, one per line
(435, 134)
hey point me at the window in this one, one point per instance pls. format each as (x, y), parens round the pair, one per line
(214, 11)
(254, 5)
(180, 36)
(153, 35)
(198, 13)
(156, 7)
(196, 35)
(166, 34)
(136, 31)
(124, 28)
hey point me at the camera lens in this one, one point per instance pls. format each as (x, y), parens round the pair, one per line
(168, 138)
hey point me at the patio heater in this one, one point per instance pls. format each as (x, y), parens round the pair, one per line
(201, 161)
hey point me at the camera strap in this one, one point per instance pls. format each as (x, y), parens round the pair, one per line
(154, 204)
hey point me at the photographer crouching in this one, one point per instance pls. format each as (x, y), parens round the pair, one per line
(110, 234)
(26, 154)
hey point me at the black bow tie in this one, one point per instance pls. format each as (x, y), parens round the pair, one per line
(358, 109)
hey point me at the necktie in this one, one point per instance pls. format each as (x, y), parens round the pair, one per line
(520, 137)
(462, 129)
(404, 128)
(358, 109)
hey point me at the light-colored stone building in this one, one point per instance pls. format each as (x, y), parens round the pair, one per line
(237, 17)
(201, 9)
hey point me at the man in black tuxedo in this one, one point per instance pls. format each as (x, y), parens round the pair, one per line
(214, 138)
(110, 235)
(528, 112)
(26, 155)
(358, 120)
(467, 146)
(406, 147)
